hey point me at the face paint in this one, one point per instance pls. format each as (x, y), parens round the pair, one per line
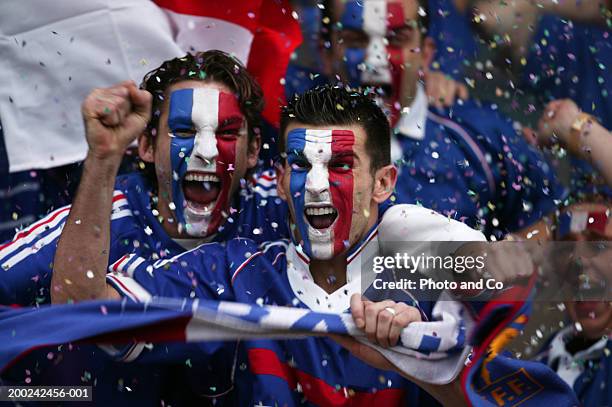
(321, 186)
(204, 125)
(579, 221)
(378, 64)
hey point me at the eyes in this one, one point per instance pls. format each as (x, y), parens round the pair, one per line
(396, 37)
(224, 134)
(300, 163)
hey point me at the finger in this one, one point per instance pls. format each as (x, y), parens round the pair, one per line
(357, 310)
(141, 101)
(448, 93)
(385, 317)
(530, 136)
(403, 318)
(462, 91)
(371, 317)
(112, 110)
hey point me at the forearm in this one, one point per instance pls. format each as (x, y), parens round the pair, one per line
(81, 259)
(583, 11)
(596, 147)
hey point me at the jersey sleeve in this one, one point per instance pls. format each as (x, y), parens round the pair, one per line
(198, 273)
(26, 262)
(528, 187)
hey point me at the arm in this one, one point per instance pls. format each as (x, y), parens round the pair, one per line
(592, 142)
(114, 117)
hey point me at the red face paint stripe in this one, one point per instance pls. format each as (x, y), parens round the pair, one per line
(395, 15)
(318, 392)
(226, 160)
(341, 185)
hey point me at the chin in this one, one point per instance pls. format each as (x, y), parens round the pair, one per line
(197, 225)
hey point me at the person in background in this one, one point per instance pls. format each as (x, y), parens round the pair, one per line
(465, 161)
(581, 353)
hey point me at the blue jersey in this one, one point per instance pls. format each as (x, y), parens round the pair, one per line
(26, 262)
(587, 371)
(311, 371)
(455, 42)
(470, 164)
(572, 60)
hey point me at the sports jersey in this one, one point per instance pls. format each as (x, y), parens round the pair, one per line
(468, 163)
(455, 42)
(310, 371)
(587, 371)
(26, 262)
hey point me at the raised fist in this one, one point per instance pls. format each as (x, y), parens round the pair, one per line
(114, 117)
(556, 122)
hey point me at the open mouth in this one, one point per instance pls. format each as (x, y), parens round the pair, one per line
(321, 217)
(201, 190)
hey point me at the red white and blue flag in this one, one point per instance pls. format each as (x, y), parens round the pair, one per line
(55, 53)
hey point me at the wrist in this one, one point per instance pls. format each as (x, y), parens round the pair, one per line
(579, 126)
(107, 165)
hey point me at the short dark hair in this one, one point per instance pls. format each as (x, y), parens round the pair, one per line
(341, 105)
(211, 65)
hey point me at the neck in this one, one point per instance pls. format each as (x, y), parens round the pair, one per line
(330, 274)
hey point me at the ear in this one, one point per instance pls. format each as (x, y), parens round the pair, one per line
(428, 51)
(146, 148)
(384, 183)
(281, 173)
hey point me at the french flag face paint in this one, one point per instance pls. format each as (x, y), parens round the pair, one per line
(204, 124)
(379, 63)
(321, 186)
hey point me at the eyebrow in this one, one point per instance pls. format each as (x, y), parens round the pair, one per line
(231, 120)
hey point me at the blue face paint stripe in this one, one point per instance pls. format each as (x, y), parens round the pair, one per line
(179, 111)
(352, 17)
(179, 117)
(296, 141)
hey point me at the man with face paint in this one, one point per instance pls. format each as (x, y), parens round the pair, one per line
(199, 150)
(335, 174)
(465, 161)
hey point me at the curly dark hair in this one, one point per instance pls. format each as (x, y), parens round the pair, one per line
(342, 105)
(205, 66)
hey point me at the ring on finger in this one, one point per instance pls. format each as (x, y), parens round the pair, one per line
(391, 311)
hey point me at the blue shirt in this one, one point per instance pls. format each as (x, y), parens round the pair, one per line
(26, 262)
(471, 165)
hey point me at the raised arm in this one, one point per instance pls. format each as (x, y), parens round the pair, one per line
(113, 117)
(579, 133)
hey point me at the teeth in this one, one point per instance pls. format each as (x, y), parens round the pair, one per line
(328, 210)
(201, 177)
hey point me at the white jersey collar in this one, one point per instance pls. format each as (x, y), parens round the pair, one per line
(412, 118)
(317, 299)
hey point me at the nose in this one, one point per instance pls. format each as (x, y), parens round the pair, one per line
(206, 146)
(376, 69)
(317, 180)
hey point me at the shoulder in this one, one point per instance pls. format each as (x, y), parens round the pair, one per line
(406, 222)
(472, 115)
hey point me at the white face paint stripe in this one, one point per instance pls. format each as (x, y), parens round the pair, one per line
(375, 17)
(205, 117)
(375, 25)
(317, 150)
